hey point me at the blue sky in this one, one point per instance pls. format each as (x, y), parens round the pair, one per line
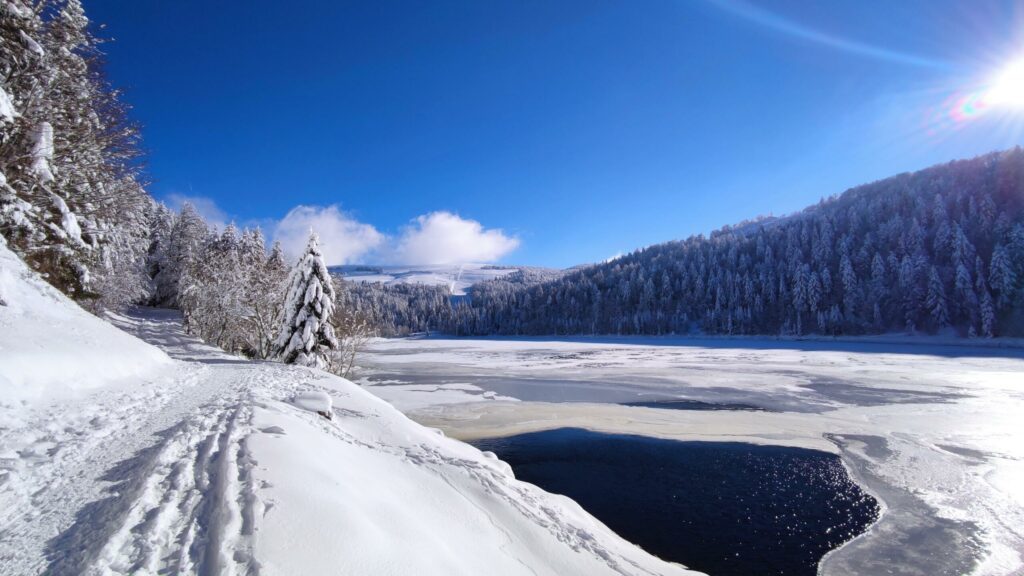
(578, 128)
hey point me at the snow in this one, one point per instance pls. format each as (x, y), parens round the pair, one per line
(30, 43)
(49, 347)
(7, 111)
(68, 221)
(930, 428)
(318, 402)
(42, 152)
(409, 501)
(202, 462)
(409, 397)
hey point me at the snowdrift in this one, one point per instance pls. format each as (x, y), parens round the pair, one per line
(372, 492)
(50, 345)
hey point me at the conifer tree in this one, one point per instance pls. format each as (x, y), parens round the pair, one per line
(988, 315)
(306, 336)
(188, 235)
(1002, 276)
(936, 299)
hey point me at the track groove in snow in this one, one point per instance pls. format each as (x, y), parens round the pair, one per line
(212, 466)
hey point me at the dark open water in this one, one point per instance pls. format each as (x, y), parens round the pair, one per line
(721, 508)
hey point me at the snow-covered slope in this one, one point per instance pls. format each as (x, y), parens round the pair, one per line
(48, 345)
(371, 492)
(215, 465)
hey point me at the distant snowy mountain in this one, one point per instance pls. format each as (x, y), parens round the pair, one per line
(458, 278)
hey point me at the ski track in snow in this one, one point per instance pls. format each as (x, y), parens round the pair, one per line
(183, 501)
(157, 477)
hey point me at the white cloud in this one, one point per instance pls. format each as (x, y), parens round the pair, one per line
(343, 239)
(206, 207)
(436, 238)
(445, 238)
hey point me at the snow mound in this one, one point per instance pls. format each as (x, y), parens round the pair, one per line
(318, 402)
(372, 492)
(51, 346)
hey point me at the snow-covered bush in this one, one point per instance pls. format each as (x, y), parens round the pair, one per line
(353, 330)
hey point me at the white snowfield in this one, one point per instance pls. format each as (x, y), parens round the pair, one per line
(209, 464)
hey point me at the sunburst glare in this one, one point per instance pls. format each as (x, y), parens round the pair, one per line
(1008, 88)
(1005, 91)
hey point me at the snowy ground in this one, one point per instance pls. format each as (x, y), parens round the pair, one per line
(186, 460)
(932, 430)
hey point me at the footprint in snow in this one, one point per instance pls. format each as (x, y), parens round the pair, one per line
(273, 430)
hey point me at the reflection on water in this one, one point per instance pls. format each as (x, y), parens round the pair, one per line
(722, 508)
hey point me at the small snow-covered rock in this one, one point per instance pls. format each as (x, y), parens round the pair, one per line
(318, 402)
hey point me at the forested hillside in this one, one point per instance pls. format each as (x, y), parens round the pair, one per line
(399, 309)
(933, 250)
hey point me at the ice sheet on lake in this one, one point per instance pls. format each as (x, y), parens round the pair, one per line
(930, 428)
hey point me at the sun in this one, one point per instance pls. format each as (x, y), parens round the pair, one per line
(1007, 90)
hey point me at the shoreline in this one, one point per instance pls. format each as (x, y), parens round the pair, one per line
(902, 513)
(811, 342)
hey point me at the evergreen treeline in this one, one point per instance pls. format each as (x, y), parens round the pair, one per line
(397, 309)
(236, 295)
(71, 203)
(229, 289)
(407, 308)
(938, 249)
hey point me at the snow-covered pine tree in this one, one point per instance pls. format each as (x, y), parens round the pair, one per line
(936, 299)
(187, 237)
(161, 225)
(306, 336)
(1001, 276)
(988, 315)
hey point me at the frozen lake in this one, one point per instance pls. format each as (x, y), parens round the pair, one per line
(932, 431)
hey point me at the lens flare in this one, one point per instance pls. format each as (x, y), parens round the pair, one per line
(1004, 92)
(1008, 88)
